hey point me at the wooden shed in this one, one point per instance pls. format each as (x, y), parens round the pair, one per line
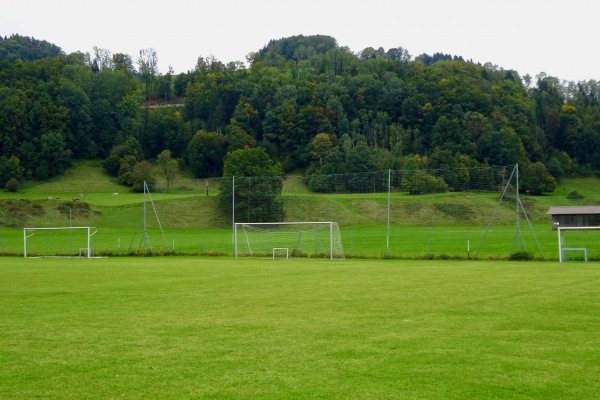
(574, 216)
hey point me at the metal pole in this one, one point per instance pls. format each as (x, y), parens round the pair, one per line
(233, 239)
(468, 243)
(144, 213)
(387, 244)
(71, 231)
(428, 243)
(517, 207)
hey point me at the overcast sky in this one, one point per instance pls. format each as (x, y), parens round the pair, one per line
(529, 36)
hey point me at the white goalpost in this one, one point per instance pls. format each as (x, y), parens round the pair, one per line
(58, 242)
(288, 239)
(581, 247)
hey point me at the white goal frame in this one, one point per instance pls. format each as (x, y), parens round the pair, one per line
(562, 248)
(241, 238)
(87, 249)
(287, 252)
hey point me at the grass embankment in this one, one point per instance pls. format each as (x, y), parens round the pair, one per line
(183, 328)
(435, 225)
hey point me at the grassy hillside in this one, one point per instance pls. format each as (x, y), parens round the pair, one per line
(192, 206)
(187, 204)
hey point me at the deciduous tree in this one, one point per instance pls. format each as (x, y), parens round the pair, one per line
(168, 166)
(205, 154)
(257, 182)
(537, 180)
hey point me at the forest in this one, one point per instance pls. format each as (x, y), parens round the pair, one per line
(315, 108)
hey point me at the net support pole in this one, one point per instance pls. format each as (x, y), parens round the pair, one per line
(234, 241)
(387, 243)
(71, 232)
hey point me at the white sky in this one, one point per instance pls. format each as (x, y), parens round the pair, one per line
(529, 36)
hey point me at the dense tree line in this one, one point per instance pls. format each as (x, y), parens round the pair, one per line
(311, 105)
(24, 48)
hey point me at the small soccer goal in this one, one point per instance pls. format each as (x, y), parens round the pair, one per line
(281, 252)
(288, 239)
(59, 242)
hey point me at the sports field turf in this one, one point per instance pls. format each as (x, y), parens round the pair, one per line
(195, 327)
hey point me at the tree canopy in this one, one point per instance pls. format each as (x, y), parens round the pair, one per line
(254, 184)
(309, 104)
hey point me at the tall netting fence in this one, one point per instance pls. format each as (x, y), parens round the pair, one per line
(445, 213)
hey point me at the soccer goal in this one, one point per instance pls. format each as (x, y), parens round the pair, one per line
(574, 242)
(295, 239)
(59, 242)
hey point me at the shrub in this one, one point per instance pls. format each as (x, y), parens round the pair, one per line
(12, 185)
(521, 256)
(574, 196)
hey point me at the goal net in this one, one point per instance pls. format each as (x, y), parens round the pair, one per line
(59, 242)
(578, 243)
(296, 239)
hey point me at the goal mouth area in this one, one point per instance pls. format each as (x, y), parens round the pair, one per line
(577, 243)
(59, 242)
(296, 239)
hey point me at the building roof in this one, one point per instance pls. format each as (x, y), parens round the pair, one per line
(570, 210)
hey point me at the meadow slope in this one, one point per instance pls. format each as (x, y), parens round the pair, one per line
(190, 211)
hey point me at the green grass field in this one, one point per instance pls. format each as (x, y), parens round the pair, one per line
(360, 241)
(198, 327)
(190, 326)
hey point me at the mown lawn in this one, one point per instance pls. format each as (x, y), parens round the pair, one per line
(359, 241)
(194, 327)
